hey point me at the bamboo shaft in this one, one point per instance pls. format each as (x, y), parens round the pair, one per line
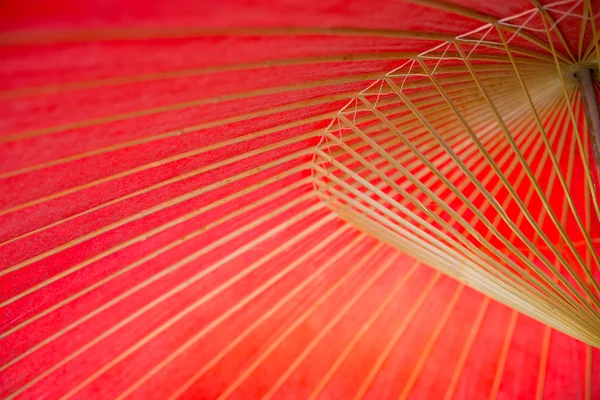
(585, 79)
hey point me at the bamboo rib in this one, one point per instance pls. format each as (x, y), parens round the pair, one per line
(205, 298)
(457, 9)
(426, 184)
(543, 281)
(584, 156)
(169, 203)
(178, 132)
(540, 193)
(595, 38)
(178, 242)
(159, 275)
(582, 30)
(89, 35)
(471, 206)
(361, 332)
(422, 296)
(203, 210)
(180, 350)
(356, 295)
(185, 130)
(543, 364)
(431, 343)
(550, 186)
(180, 106)
(364, 210)
(161, 364)
(263, 318)
(491, 161)
(12, 137)
(134, 240)
(405, 323)
(122, 80)
(433, 259)
(503, 355)
(563, 184)
(489, 175)
(40, 37)
(188, 216)
(191, 153)
(300, 216)
(462, 359)
(556, 29)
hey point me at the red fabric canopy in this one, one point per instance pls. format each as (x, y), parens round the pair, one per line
(159, 232)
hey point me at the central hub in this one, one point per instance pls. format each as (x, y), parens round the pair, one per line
(571, 71)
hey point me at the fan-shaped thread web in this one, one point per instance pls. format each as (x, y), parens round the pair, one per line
(480, 167)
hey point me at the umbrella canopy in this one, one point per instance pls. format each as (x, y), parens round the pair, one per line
(162, 235)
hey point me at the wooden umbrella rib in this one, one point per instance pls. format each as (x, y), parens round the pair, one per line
(477, 16)
(176, 289)
(556, 29)
(398, 333)
(489, 159)
(143, 236)
(188, 154)
(194, 103)
(333, 321)
(577, 135)
(517, 152)
(354, 244)
(222, 98)
(554, 292)
(407, 388)
(149, 77)
(522, 304)
(365, 327)
(471, 206)
(503, 355)
(166, 204)
(543, 363)
(268, 313)
(593, 44)
(193, 128)
(142, 260)
(536, 185)
(179, 132)
(456, 216)
(422, 189)
(273, 345)
(42, 37)
(550, 186)
(264, 200)
(587, 391)
(563, 184)
(583, 29)
(462, 359)
(11, 94)
(368, 212)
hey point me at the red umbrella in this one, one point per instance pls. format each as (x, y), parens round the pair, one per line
(162, 233)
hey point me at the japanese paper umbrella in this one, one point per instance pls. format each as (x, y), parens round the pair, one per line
(360, 199)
